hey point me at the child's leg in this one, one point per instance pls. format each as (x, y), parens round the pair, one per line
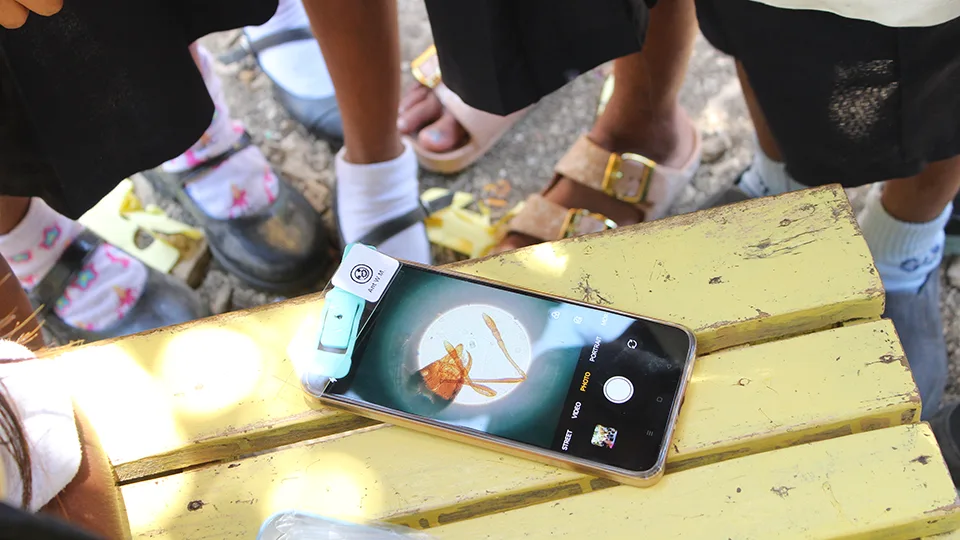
(102, 294)
(297, 66)
(33, 236)
(376, 175)
(643, 115)
(247, 172)
(16, 322)
(298, 70)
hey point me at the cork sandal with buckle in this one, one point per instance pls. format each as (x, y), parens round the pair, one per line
(627, 177)
(484, 129)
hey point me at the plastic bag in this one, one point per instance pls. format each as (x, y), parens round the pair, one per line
(296, 525)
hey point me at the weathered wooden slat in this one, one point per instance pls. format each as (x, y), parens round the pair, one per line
(885, 484)
(222, 387)
(736, 274)
(741, 401)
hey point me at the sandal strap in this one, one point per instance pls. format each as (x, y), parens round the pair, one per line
(257, 46)
(627, 177)
(390, 228)
(546, 220)
(65, 270)
(202, 169)
(254, 47)
(426, 68)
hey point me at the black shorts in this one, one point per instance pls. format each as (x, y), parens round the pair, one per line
(500, 56)
(848, 101)
(103, 90)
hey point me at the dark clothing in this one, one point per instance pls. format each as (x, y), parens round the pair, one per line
(19, 525)
(500, 56)
(103, 90)
(848, 101)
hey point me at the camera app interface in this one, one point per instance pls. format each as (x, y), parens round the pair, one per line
(575, 380)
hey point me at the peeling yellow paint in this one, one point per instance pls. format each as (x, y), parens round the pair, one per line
(865, 486)
(799, 391)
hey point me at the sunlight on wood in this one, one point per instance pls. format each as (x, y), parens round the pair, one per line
(797, 392)
(734, 274)
(130, 404)
(338, 484)
(545, 260)
(201, 395)
(888, 483)
(231, 368)
(849, 379)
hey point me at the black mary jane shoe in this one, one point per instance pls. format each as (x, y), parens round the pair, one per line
(165, 301)
(283, 249)
(321, 116)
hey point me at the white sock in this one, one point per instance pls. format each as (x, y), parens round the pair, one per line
(101, 294)
(297, 66)
(767, 177)
(368, 195)
(245, 183)
(905, 253)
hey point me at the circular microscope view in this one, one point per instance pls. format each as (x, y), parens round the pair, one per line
(474, 354)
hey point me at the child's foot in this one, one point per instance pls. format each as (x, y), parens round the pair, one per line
(90, 290)
(259, 228)
(422, 116)
(372, 196)
(447, 134)
(289, 54)
(673, 145)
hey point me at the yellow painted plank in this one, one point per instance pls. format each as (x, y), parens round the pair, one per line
(885, 484)
(222, 387)
(741, 401)
(952, 535)
(736, 274)
(211, 389)
(782, 393)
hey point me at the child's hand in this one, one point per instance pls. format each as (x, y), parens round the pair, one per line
(13, 13)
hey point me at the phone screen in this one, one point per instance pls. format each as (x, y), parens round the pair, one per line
(576, 380)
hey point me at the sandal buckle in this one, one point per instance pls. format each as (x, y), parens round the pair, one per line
(580, 221)
(419, 68)
(631, 188)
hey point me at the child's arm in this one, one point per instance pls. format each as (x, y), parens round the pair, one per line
(92, 501)
(13, 13)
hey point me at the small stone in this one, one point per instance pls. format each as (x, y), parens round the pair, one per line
(261, 81)
(295, 166)
(221, 300)
(246, 76)
(953, 272)
(294, 141)
(317, 194)
(715, 147)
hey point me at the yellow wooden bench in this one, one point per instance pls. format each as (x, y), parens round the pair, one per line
(801, 420)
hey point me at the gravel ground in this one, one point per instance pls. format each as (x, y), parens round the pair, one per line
(525, 156)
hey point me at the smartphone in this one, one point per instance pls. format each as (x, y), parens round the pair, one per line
(554, 380)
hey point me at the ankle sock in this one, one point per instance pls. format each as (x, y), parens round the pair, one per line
(370, 194)
(905, 253)
(101, 294)
(297, 66)
(767, 177)
(243, 184)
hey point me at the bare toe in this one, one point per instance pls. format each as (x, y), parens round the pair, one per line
(414, 95)
(419, 114)
(443, 135)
